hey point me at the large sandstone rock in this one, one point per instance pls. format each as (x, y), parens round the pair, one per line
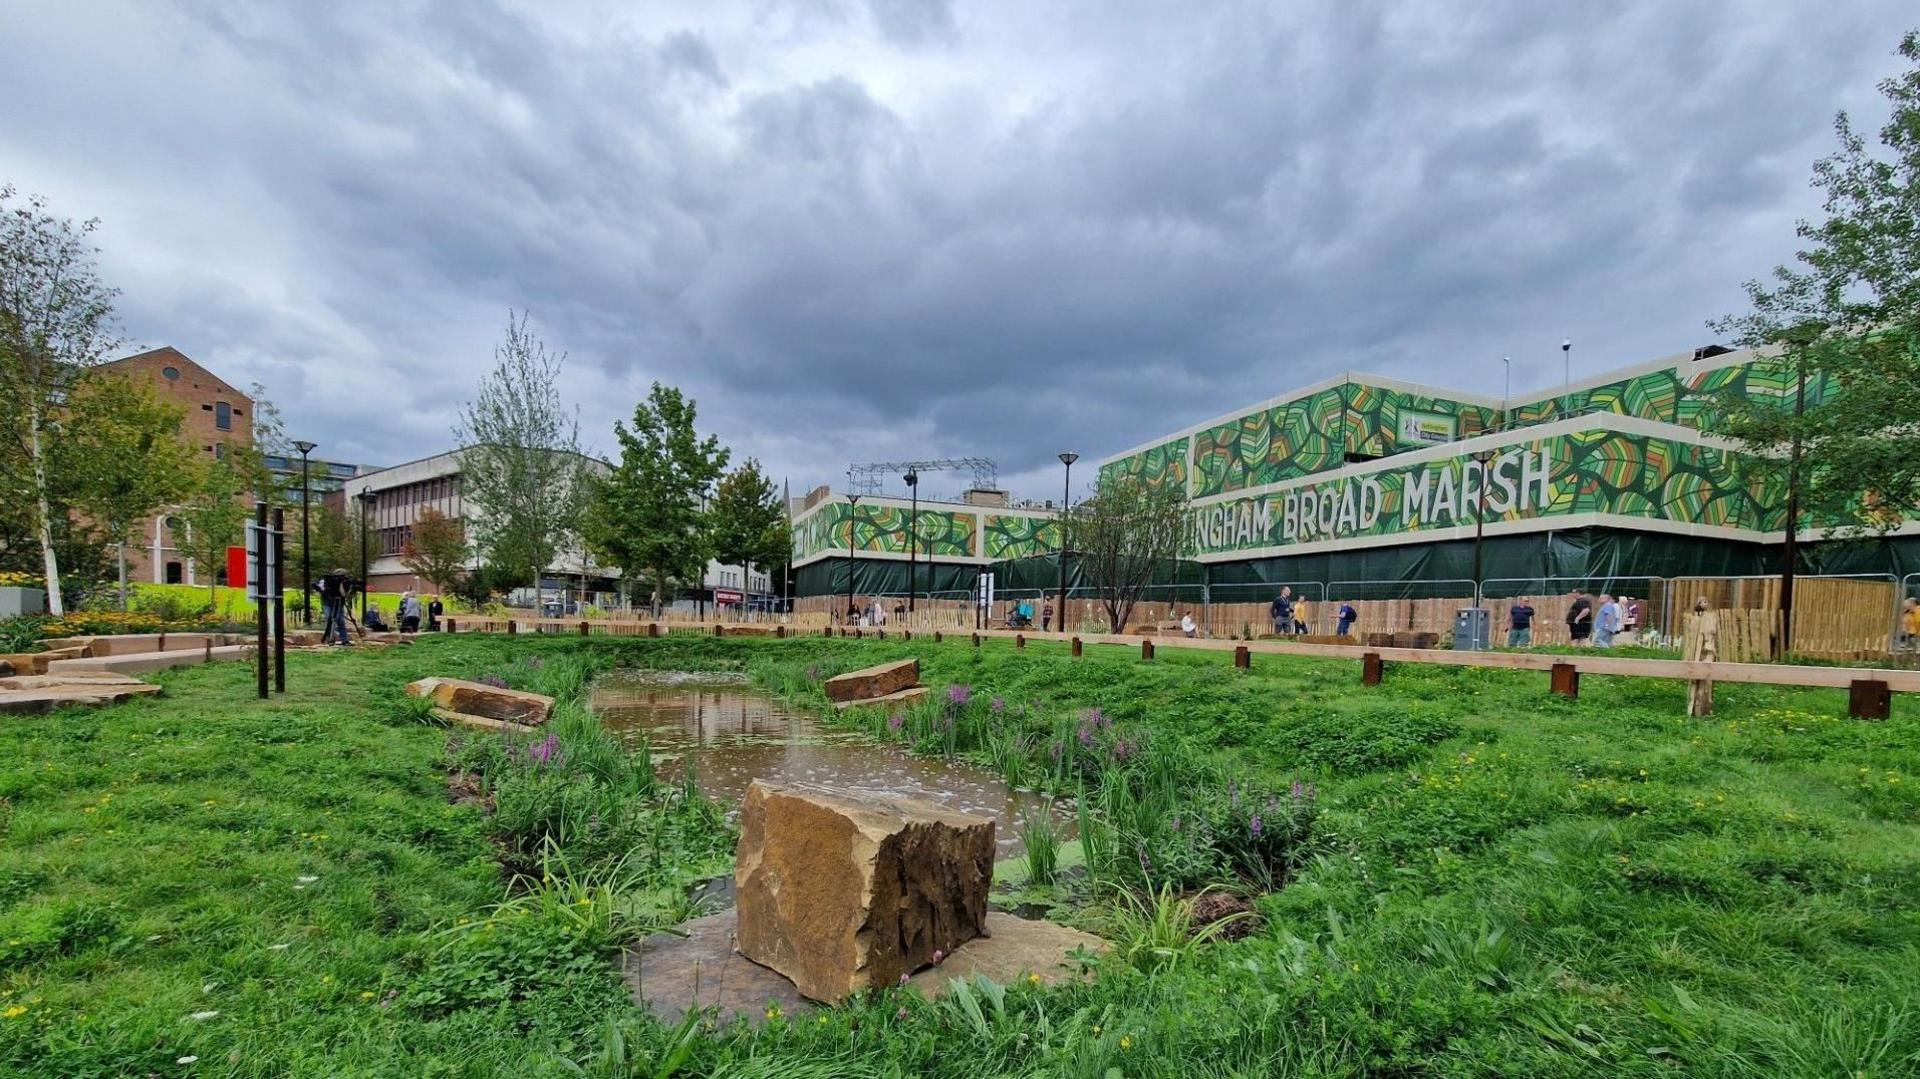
(480, 699)
(873, 681)
(901, 698)
(842, 892)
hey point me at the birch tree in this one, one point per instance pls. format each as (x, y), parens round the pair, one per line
(56, 321)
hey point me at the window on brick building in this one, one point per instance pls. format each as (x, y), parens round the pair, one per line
(223, 416)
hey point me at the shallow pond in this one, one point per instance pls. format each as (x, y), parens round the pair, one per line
(734, 734)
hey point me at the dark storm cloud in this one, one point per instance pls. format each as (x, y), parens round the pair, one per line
(908, 229)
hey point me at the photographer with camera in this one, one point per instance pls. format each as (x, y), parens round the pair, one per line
(335, 590)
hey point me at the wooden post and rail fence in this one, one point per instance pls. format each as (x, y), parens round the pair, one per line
(1870, 689)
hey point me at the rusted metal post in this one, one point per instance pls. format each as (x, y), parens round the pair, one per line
(1146, 649)
(1242, 658)
(936, 637)
(1565, 679)
(976, 640)
(450, 628)
(512, 627)
(1869, 699)
(1076, 648)
(780, 631)
(1372, 671)
(719, 630)
(1019, 640)
(583, 627)
(653, 629)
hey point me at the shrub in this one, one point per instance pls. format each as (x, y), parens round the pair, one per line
(1354, 743)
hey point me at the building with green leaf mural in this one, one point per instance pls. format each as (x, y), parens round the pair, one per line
(1361, 478)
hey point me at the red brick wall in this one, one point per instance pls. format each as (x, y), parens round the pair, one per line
(201, 393)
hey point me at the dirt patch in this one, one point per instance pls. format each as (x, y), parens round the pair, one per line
(463, 788)
(1213, 906)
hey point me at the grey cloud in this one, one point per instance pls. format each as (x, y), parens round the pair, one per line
(1073, 226)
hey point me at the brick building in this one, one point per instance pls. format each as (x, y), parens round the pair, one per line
(217, 416)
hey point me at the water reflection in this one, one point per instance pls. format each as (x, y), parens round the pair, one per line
(734, 734)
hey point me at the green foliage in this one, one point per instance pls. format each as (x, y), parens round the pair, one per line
(1847, 319)
(1128, 531)
(645, 516)
(749, 520)
(22, 633)
(436, 550)
(1365, 740)
(1155, 931)
(1040, 845)
(521, 467)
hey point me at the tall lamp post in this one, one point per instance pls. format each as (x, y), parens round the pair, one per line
(306, 536)
(1566, 361)
(1483, 457)
(913, 541)
(853, 501)
(367, 499)
(1066, 498)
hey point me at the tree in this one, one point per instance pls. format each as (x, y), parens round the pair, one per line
(56, 321)
(645, 515)
(1845, 321)
(1123, 535)
(215, 515)
(437, 550)
(118, 457)
(520, 462)
(748, 521)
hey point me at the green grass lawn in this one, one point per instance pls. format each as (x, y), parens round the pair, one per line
(1495, 881)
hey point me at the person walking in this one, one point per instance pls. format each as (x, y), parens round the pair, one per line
(1910, 623)
(1630, 619)
(1347, 616)
(1606, 623)
(1187, 626)
(1281, 612)
(434, 610)
(1046, 616)
(1580, 619)
(334, 588)
(1520, 624)
(1300, 616)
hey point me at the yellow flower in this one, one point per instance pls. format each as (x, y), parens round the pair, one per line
(1033, 979)
(773, 1012)
(366, 994)
(1126, 1042)
(16, 1011)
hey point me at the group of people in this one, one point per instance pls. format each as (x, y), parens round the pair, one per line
(1598, 622)
(336, 591)
(1289, 614)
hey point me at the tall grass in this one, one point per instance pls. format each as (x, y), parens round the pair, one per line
(1041, 843)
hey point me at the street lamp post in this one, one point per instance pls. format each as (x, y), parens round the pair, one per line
(306, 535)
(1566, 361)
(1066, 497)
(367, 499)
(1506, 388)
(853, 501)
(913, 541)
(1483, 457)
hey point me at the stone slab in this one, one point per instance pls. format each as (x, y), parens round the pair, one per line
(25, 662)
(698, 966)
(35, 701)
(842, 892)
(905, 696)
(144, 662)
(480, 699)
(876, 681)
(481, 722)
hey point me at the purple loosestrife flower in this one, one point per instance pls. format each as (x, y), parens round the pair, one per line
(959, 693)
(999, 705)
(1297, 790)
(894, 721)
(1146, 863)
(1253, 826)
(493, 680)
(543, 753)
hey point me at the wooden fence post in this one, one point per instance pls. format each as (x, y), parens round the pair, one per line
(1019, 640)
(1076, 648)
(1242, 658)
(1564, 679)
(653, 629)
(1372, 671)
(450, 628)
(936, 636)
(512, 627)
(719, 630)
(1146, 649)
(976, 640)
(780, 631)
(583, 628)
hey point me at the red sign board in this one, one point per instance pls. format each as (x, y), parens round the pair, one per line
(726, 595)
(236, 567)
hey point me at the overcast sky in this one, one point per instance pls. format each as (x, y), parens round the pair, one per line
(880, 229)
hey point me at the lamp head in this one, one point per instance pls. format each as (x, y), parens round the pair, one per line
(1566, 344)
(912, 478)
(304, 446)
(1069, 458)
(367, 498)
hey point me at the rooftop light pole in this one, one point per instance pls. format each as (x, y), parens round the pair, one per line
(1566, 361)
(1506, 388)
(1066, 499)
(306, 539)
